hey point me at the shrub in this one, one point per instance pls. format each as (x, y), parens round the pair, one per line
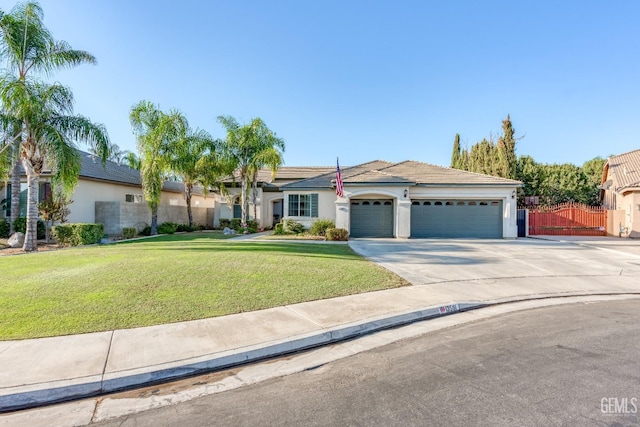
(20, 225)
(337, 234)
(167, 228)
(319, 228)
(77, 234)
(252, 226)
(146, 231)
(236, 224)
(4, 228)
(62, 234)
(279, 229)
(129, 232)
(224, 222)
(186, 227)
(293, 227)
(86, 234)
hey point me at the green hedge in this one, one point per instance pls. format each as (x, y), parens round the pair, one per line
(20, 226)
(77, 234)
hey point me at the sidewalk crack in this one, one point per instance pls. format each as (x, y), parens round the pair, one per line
(304, 317)
(106, 360)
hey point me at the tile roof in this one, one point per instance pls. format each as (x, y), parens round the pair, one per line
(408, 172)
(624, 170)
(289, 173)
(427, 174)
(325, 180)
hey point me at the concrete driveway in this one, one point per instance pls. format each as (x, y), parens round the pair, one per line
(434, 261)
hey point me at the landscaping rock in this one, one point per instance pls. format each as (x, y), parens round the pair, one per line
(16, 240)
(228, 231)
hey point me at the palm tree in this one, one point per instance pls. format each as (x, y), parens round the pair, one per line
(248, 148)
(50, 129)
(156, 133)
(27, 46)
(194, 160)
(130, 159)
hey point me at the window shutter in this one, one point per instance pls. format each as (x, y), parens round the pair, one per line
(237, 211)
(314, 205)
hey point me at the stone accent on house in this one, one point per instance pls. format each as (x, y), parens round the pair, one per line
(117, 215)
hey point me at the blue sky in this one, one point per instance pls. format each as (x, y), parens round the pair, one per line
(366, 80)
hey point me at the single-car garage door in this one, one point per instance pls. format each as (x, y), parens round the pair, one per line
(456, 218)
(371, 218)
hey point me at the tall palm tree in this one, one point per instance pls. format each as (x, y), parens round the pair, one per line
(155, 132)
(194, 159)
(248, 148)
(28, 47)
(50, 130)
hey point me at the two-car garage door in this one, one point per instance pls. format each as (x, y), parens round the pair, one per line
(429, 218)
(456, 218)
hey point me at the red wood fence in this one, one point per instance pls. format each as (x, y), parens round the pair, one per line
(568, 219)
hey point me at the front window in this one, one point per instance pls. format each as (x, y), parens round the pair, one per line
(305, 205)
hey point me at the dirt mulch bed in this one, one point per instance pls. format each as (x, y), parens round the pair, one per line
(42, 246)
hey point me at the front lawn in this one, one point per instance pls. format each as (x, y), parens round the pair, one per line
(170, 279)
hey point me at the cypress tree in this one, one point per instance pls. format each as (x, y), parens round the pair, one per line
(456, 156)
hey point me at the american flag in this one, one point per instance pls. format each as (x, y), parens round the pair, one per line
(339, 188)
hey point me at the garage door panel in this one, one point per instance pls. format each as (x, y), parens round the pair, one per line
(456, 218)
(371, 218)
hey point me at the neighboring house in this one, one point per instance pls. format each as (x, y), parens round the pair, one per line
(112, 195)
(383, 199)
(620, 191)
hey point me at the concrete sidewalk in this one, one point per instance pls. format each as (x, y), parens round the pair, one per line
(39, 371)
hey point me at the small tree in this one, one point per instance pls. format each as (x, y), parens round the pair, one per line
(54, 208)
(456, 155)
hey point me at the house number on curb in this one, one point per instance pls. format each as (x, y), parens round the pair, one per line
(449, 309)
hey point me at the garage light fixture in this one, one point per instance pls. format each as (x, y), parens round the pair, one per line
(406, 192)
(513, 194)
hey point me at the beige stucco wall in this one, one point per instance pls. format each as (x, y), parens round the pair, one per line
(629, 203)
(326, 206)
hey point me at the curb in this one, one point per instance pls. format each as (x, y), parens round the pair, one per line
(93, 386)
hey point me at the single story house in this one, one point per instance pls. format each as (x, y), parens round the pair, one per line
(620, 192)
(384, 199)
(111, 194)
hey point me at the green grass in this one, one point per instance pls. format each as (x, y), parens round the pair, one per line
(169, 279)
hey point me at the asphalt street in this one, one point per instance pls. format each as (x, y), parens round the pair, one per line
(563, 365)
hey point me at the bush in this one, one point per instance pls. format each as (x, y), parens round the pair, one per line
(146, 231)
(337, 234)
(319, 228)
(4, 228)
(224, 222)
(279, 229)
(77, 234)
(62, 234)
(20, 225)
(293, 227)
(186, 227)
(236, 224)
(86, 234)
(129, 232)
(252, 226)
(167, 228)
